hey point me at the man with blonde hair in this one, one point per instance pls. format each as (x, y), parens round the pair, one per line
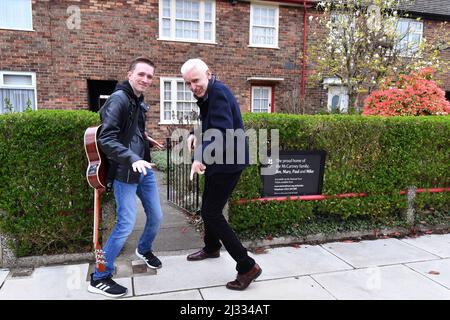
(219, 111)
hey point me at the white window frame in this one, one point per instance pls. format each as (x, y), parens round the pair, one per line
(26, 87)
(22, 29)
(269, 109)
(173, 37)
(408, 52)
(277, 29)
(173, 99)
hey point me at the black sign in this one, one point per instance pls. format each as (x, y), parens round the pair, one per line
(297, 173)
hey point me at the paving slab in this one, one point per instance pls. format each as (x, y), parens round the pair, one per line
(176, 233)
(179, 274)
(172, 216)
(178, 295)
(370, 253)
(296, 288)
(54, 283)
(3, 274)
(434, 243)
(436, 270)
(381, 283)
(293, 261)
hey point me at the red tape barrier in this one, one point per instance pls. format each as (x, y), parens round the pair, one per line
(335, 196)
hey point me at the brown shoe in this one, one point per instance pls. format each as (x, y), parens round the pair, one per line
(243, 280)
(202, 255)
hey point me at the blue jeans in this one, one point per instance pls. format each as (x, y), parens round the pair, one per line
(125, 195)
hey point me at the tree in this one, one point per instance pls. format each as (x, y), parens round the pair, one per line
(365, 43)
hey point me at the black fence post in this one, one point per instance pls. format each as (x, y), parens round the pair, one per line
(169, 147)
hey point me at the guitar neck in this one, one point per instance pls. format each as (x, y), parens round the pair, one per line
(97, 215)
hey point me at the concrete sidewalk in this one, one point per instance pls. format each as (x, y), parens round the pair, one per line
(410, 269)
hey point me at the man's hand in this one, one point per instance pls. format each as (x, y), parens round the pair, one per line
(153, 142)
(141, 166)
(191, 142)
(197, 167)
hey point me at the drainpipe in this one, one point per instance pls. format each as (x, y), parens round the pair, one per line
(305, 30)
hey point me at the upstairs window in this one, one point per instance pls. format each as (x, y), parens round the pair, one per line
(16, 15)
(410, 34)
(187, 20)
(263, 26)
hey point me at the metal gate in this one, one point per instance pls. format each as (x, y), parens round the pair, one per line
(180, 190)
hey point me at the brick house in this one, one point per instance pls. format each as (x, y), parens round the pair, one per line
(71, 53)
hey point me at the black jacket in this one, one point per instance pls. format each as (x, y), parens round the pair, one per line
(120, 145)
(220, 110)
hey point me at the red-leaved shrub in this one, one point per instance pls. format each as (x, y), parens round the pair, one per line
(416, 94)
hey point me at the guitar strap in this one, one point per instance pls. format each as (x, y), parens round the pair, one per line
(133, 117)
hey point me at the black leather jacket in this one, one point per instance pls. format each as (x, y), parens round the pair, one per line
(121, 146)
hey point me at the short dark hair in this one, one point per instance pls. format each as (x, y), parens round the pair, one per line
(140, 60)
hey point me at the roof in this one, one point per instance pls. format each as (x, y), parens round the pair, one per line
(430, 7)
(420, 7)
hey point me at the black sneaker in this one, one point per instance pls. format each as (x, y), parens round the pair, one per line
(150, 259)
(107, 287)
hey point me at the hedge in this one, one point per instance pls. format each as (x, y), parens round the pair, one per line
(375, 155)
(46, 204)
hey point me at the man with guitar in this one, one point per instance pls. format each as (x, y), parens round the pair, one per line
(123, 141)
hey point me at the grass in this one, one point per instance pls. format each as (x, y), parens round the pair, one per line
(159, 158)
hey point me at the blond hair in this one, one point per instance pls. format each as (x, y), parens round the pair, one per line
(196, 63)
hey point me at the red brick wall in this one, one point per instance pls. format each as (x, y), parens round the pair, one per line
(112, 33)
(430, 31)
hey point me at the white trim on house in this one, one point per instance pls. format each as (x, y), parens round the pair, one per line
(264, 79)
(417, 30)
(31, 86)
(172, 23)
(261, 99)
(30, 12)
(173, 100)
(254, 5)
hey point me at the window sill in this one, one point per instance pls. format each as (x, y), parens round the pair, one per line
(187, 41)
(263, 47)
(17, 29)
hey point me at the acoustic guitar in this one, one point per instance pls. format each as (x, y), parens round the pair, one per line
(96, 176)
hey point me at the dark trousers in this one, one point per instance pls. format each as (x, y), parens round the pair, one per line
(218, 189)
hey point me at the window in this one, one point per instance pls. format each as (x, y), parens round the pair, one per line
(16, 15)
(337, 95)
(178, 104)
(187, 20)
(17, 91)
(261, 99)
(263, 26)
(410, 34)
(340, 22)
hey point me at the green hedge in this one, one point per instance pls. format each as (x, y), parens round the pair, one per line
(375, 155)
(46, 204)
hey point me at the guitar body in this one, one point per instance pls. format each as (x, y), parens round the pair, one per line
(97, 167)
(96, 176)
